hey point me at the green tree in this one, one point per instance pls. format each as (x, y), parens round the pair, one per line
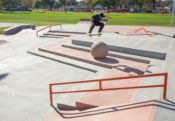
(37, 4)
(154, 4)
(140, 3)
(62, 2)
(8, 3)
(70, 2)
(108, 3)
(1, 4)
(48, 3)
(94, 3)
(27, 3)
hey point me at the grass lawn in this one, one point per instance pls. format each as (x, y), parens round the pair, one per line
(48, 18)
(2, 28)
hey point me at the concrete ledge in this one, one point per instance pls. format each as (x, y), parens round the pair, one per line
(16, 29)
(113, 54)
(145, 53)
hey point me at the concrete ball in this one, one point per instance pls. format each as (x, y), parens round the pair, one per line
(99, 50)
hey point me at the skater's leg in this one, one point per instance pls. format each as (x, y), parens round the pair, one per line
(101, 27)
(91, 28)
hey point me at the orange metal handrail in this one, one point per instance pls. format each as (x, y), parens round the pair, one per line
(142, 28)
(110, 79)
(50, 27)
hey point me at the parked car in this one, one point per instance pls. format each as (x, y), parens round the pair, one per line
(17, 8)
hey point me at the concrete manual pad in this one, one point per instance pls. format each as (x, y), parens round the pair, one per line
(152, 47)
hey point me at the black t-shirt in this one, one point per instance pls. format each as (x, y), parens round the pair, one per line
(96, 18)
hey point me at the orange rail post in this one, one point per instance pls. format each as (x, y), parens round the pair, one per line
(142, 28)
(138, 29)
(100, 85)
(146, 32)
(51, 100)
(165, 85)
(41, 30)
(46, 28)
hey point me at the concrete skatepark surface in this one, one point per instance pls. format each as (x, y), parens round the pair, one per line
(24, 78)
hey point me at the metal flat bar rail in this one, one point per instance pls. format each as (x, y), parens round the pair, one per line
(109, 89)
(50, 27)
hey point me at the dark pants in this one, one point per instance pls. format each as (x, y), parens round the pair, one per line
(96, 24)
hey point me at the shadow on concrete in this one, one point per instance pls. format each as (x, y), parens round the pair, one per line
(156, 103)
(3, 42)
(138, 34)
(129, 69)
(156, 33)
(2, 76)
(147, 70)
(45, 36)
(108, 60)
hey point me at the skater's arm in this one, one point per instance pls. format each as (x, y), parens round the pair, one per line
(108, 17)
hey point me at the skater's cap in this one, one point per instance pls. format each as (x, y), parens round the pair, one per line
(102, 15)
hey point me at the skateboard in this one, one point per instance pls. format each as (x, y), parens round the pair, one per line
(95, 35)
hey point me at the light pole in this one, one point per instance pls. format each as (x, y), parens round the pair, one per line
(172, 20)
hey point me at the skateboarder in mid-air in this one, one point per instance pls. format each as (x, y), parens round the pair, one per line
(95, 21)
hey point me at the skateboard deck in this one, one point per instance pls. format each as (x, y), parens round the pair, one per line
(95, 35)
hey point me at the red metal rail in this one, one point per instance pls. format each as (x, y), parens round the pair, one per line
(50, 27)
(142, 28)
(110, 79)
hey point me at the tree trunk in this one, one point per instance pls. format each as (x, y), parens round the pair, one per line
(154, 5)
(108, 7)
(140, 7)
(50, 7)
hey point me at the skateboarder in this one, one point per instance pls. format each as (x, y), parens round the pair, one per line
(95, 21)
